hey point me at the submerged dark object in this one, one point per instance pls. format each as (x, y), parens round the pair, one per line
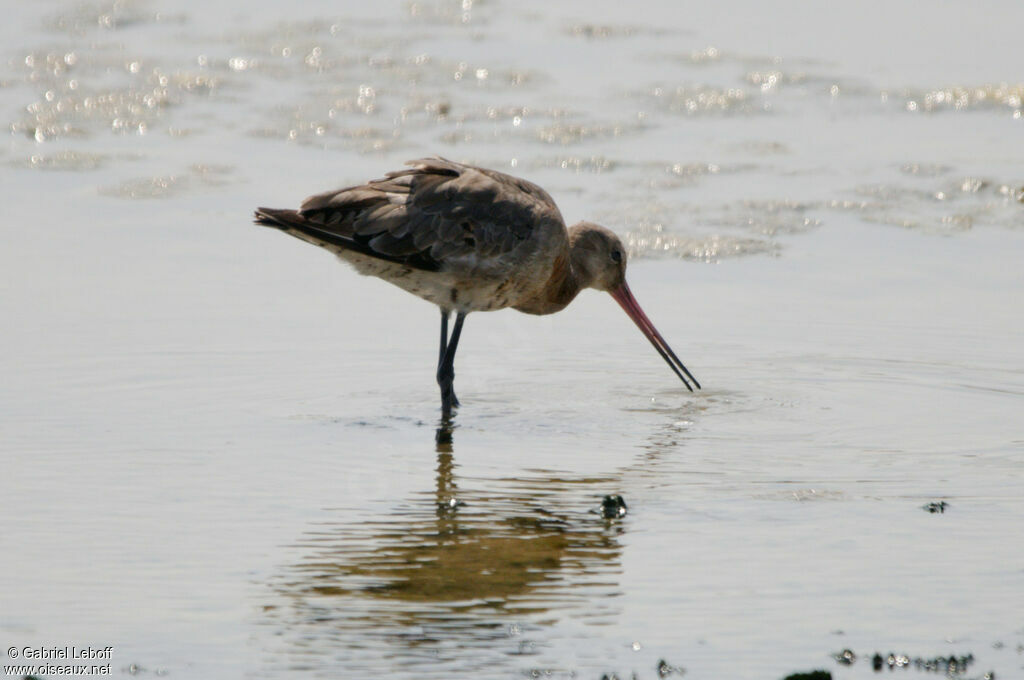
(936, 506)
(450, 505)
(665, 669)
(613, 507)
(845, 657)
(812, 675)
(952, 666)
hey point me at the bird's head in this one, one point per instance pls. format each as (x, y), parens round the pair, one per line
(599, 261)
(598, 256)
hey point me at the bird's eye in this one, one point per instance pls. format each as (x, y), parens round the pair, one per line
(616, 256)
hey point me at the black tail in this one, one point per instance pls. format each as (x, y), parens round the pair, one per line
(298, 225)
(272, 217)
(294, 223)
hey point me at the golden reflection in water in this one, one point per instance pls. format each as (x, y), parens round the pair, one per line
(485, 564)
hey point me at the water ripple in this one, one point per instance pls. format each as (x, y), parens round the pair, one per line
(484, 563)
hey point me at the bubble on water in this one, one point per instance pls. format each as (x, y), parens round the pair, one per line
(607, 31)
(211, 174)
(713, 232)
(772, 80)
(75, 161)
(577, 164)
(110, 15)
(366, 99)
(198, 175)
(649, 237)
(803, 495)
(459, 12)
(697, 100)
(708, 54)
(592, 31)
(70, 108)
(759, 147)
(692, 169)
(988, 97)
(315, 58)
(662, 176)
(972, 185)
(565, 133)
(654, 241)
(954, 205)
(925, 169)
(379, 86)
(768, 217)
(147, 188)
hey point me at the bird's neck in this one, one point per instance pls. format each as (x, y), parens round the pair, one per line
(568, 278)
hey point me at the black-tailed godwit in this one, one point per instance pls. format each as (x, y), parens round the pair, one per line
(468, 239)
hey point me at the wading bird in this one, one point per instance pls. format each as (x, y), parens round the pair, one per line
(468, 239)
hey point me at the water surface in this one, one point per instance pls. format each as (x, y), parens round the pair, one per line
(221, 446)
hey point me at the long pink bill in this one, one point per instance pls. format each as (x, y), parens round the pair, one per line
(626, 300)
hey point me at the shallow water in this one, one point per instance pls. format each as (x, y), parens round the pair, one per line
(220, 447)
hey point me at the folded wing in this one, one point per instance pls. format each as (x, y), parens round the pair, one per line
(435, 215)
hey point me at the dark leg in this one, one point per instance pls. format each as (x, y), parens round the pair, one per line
(446, 365)
(444, 432)
(440, 357)
(444, 337)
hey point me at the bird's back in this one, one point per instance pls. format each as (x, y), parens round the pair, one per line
(437, 225)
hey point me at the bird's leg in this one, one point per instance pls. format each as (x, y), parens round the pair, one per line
(446, 402)
(446, 366)
(444, 338)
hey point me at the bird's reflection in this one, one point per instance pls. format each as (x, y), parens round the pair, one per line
(444, 436)
(479, 567)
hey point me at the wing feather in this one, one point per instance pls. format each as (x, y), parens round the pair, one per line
(433, 215)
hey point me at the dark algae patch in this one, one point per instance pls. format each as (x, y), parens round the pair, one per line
(613, 507)
(665, 669)
(952, 666)
(811, 675)
(845, 657)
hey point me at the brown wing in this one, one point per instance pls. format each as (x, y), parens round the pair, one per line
(428, 216)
